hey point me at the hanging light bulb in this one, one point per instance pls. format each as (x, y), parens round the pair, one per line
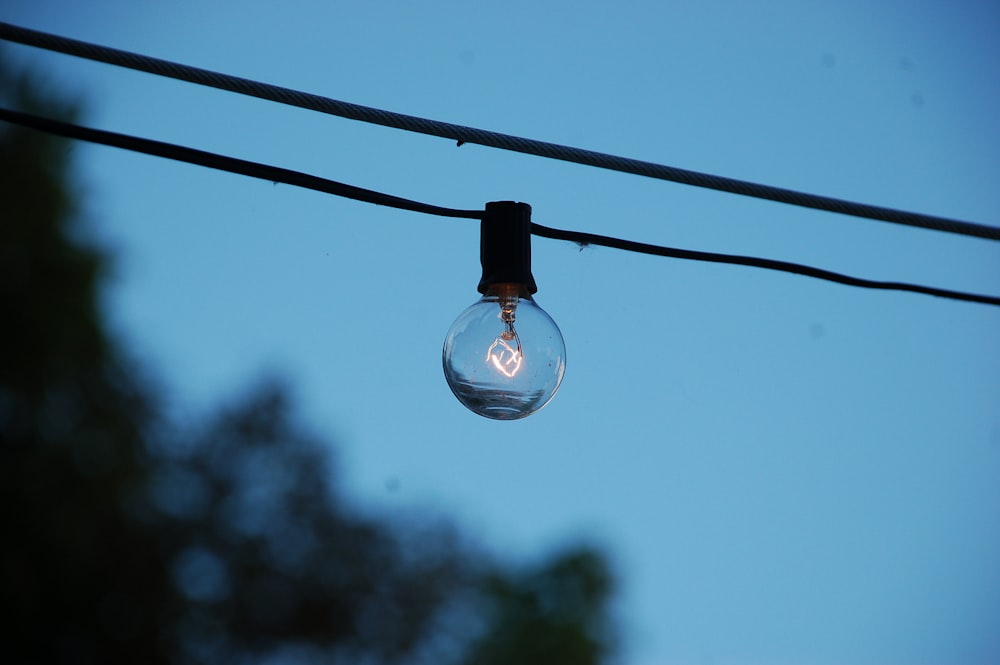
(504, 357)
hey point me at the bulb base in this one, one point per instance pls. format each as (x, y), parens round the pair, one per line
(505, 247)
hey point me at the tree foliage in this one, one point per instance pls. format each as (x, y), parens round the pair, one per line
(128, 539)
(554, 613)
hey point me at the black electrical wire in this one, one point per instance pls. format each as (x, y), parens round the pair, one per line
(462, 134)
(304, 180)
(230, 164)
(584, 239)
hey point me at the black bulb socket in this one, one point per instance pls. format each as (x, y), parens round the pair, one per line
(505, 247)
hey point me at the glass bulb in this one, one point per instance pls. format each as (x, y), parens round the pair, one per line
(504, 357)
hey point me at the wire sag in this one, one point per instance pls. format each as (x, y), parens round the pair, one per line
(307, 181)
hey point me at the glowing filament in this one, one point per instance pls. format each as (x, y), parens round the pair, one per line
(506, 358)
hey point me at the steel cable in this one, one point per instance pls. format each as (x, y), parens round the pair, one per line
(462, 134)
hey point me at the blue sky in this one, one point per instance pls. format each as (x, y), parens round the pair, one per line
(783, 470)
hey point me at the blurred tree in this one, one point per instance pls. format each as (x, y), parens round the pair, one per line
(555, 613)
(127, 541)
(79, 583)
(266, 557)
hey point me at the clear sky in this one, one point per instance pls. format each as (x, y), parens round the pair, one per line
(783, 470)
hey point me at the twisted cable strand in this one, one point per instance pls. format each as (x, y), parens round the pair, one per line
(463, 134)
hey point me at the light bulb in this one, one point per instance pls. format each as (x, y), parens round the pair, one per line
(504, 357)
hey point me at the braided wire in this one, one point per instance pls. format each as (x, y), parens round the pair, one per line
(463, 134)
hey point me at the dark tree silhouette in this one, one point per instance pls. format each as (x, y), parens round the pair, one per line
(554, 613)
(80, 583)
(263, 552)
(128, 539)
